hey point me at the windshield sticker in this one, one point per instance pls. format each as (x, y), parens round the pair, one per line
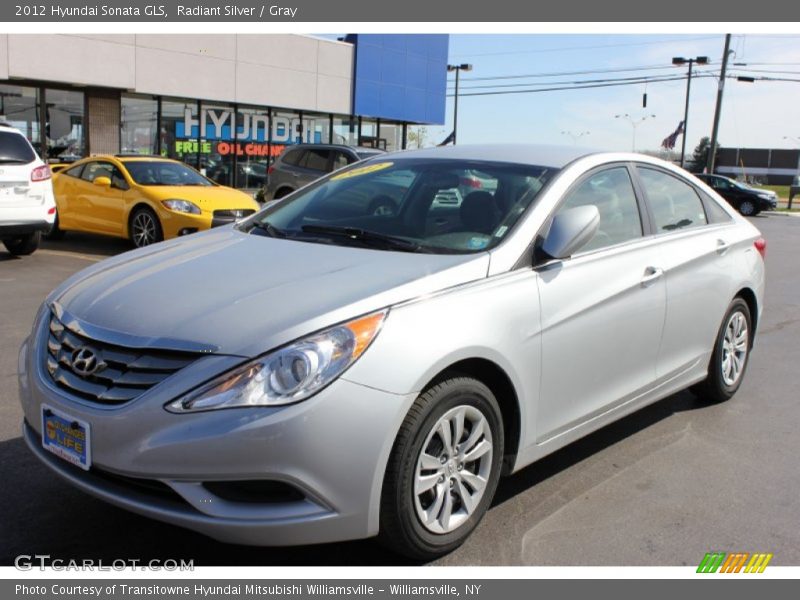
(501, 231)
(362, 171)
(477, 243)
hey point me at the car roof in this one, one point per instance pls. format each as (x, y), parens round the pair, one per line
(531, 154)
(335, 147)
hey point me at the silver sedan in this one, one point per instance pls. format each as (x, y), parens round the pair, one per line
(323, 372)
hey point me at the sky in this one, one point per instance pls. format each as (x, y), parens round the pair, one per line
(754, 115)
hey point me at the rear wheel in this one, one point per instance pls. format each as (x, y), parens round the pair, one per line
(145, 228)
(731, 352)
(23, 245)
(747, 208)
(443, 470)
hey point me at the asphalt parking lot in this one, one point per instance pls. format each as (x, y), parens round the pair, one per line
(661, 487)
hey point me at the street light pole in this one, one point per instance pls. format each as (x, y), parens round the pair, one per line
(457, 69)
(679, 60)
(634, 124)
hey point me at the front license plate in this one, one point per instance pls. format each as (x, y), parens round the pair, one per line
(67, 437)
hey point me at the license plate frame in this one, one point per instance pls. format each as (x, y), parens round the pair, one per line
(67, 437)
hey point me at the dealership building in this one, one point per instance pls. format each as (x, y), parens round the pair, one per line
(225, 104)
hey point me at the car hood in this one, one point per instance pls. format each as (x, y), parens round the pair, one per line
(206, 197)
(245, 294)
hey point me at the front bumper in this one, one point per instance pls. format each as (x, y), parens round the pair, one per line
(332, 448)
(175, 224)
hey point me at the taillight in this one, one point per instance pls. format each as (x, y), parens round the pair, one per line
(761, 245)
(41, 173)
(271, 169)
(52, 210)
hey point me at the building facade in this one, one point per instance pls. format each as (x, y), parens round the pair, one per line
(226, 104)
(763, 165)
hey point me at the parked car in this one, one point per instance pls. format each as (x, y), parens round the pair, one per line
(794, 189)
(145, 199)
(323, 373)
(27, 207)
(301, 164)
(748, 201)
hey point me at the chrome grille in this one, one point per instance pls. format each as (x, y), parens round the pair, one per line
(117, 375)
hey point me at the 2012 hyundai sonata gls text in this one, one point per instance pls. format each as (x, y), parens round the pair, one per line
(326, 371)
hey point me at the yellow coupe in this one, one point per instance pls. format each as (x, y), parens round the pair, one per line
(145, 199)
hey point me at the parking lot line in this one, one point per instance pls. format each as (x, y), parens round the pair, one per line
(72, 255)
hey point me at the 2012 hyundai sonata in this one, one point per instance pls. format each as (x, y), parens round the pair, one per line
(323, 371)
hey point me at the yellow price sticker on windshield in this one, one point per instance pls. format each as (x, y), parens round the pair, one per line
(362, 171)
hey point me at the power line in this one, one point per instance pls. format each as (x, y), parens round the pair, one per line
(566, 73)
(571, 87)
(632, 80)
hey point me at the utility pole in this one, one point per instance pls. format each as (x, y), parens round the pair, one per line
(712, 149)
(679, 60)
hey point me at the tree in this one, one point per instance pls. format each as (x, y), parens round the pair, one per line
(700, 155)
(418, 138)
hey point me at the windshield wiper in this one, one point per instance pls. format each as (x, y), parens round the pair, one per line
(370, 238)
(268, 229)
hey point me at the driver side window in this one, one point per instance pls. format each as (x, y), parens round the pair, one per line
(611, 191)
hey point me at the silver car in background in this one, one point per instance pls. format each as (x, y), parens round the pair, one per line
(319, 372)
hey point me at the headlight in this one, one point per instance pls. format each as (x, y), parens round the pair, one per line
(183, 206)
(290, 374)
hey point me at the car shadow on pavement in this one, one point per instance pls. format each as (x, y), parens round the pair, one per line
(594, 443)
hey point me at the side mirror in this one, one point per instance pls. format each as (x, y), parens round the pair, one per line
(102, 181)
(571, 230)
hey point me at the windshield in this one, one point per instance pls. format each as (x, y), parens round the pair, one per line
(163, 172)
(437, 206)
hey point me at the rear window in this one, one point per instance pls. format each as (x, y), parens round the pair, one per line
(15, 149)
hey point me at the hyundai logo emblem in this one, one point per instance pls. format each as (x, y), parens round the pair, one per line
(86, 361)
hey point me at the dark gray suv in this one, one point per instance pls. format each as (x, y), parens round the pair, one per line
(301, 164)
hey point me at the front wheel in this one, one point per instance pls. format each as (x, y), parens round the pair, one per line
(145, 228)
(23, 245)
(443, 470)
(729, 358)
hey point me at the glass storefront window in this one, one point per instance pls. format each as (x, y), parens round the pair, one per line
(285, 129)
(138, 125)
(391, 137)
(218, 147)
(368, 135)
(64, 124)
(345, 131)
(253, 148)
(179, 131)
(316, 128)
(19, 107)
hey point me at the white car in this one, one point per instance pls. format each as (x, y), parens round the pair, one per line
(27, 205)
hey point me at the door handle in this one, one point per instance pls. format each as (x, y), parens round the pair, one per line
(651, 274)
(722, 246)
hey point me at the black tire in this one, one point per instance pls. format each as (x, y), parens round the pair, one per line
(282, 193)
(144, 228)
(56, 233)
(401, 529)
(747, 208)
(23, 245)
(714, 388)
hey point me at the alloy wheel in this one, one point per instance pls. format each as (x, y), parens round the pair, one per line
(734, 348)
(453, 468)
(144, 229)
(747, 208)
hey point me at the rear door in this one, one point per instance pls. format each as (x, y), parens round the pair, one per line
(697, 266)
(16, 158)
(602, 309)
